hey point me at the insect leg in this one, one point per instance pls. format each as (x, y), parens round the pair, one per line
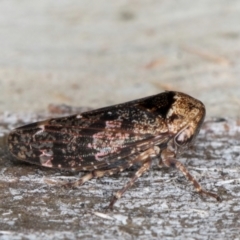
(169, 161)
(138, 174)
(79, 182)
(98, 174)
(93, 174)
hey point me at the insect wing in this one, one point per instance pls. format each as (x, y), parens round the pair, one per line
(98, 139)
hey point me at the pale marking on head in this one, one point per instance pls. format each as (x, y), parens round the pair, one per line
(170, 112)
(185, 134)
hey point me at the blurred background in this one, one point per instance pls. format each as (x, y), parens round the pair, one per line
(97, 53)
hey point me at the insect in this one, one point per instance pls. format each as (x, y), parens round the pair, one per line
(111, 139)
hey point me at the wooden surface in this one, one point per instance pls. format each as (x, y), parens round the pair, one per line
(161, 204)
(97, 53)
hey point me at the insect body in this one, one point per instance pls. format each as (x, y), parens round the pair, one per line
(109, 140)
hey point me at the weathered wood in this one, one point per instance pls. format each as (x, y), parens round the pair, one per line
(32, 203)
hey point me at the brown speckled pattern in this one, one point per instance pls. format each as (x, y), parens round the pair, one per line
(109, 140)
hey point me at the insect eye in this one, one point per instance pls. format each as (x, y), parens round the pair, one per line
(184, 136)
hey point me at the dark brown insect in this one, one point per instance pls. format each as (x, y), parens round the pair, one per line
(109, 140)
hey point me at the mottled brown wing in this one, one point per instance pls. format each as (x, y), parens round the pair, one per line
(99, 139)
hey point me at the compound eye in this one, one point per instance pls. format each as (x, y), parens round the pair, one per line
(184, 136)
